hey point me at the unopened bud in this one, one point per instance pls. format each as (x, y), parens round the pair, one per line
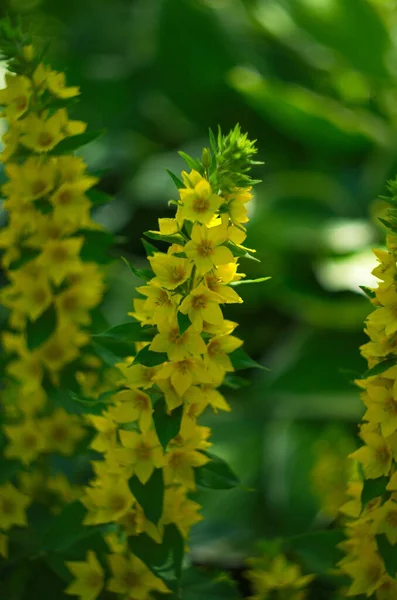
(206, 158)
(28, 53)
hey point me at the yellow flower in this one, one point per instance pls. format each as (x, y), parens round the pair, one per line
(170, 271)
(30, 180)
(385, 520)
(236, 205)
(62, 431)
(106, 437)
(375, 456)
(184, 373)
(205, 248)
(177, 346)
(198, 203)
(131, 576)
(218, 279)
(179, 509)
(26, 441)
(270, 575)
(159, 303)
(202, 305)
(132, 405)
(89, 578)
(16, 95)
(367, 573)
(216, 359)
(41, 134)
(108, 501)
(197, 398)
(145, 452)
(180, 463)
(60, 257)
(13, 505)
(56, 83)
(382, 409)
(71, 205)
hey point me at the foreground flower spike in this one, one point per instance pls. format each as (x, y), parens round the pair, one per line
(51, 285)
(370, 547)
(153, 451)
(275, 578)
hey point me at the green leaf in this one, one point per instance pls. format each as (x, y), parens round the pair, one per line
(167, 424)
(214, 146)
(241, 252)
(27, 255)
(388, 553)
(199, 584)
(367, 291)
(144, 274)
(191, 162)
(164, 559)
(66, 528)
(37, 332)
(128, 332)
(317, 549)
(235, 382)
(245, 281)
(149, 248)
(179, 184)
(113, 351)
(216, 474)
(76, 141)
(150, 495)
(373, 488)
(96, 245)
(150, 359)
(98, 197)
(174, 238)
(241, 360)
(183, 322)
(381, 367)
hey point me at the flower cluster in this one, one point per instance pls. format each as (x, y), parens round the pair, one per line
(372, 508)
(275, 578)
(152, 448)
(51, 288)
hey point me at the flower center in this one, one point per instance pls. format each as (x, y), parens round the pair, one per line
(391, 518)
(117, 502)
(177, 274)
(39, 187)
(45, 139)
(200, 205)
(21, 102)
(143, 452)
(199, 302)
(382, 454)
(7, 506)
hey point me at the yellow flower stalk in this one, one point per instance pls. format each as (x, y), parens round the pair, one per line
(51, 287)
(154, 452)
(275, 578)
(371, 526)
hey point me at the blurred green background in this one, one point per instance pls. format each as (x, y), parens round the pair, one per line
(315, 82)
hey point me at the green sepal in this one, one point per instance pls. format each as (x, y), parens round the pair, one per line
(208, 584)
(167, 424)
(72, 143)
(174, 238)
(245, 281)
(373, 488)
(388, 553)
(38, 332)
(241, 360)
(150, 359)
(164, 559)
(26, 256)
(240, 252)
(235, 382)
(98, 197)
(144, 274)
(183, 322)
(367, 291)
(131, 331)
(191, 162)
(149, 248)
(216, 474)
(150, 495)
(381, 367)
(179, 184)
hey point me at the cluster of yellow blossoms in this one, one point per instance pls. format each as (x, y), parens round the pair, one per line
(51, 289)
(277, 579)
(371, 512)
(149, 436)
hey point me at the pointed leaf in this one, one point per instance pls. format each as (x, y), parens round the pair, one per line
(150, 495)
(216, 474)
(167, 424)
(179, 184)
(37, 332)
(241, 360)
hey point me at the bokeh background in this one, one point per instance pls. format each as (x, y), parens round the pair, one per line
(315, 82)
